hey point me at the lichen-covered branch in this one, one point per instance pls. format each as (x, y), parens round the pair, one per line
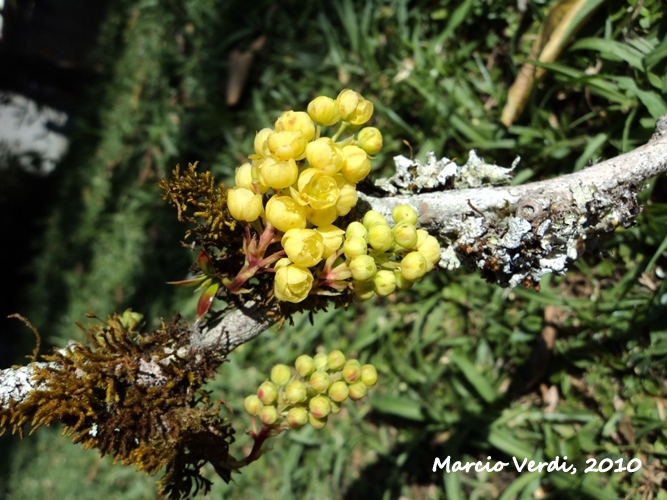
(512, 234)
(516, 234)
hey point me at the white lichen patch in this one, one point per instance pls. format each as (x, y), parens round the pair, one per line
(413, 176)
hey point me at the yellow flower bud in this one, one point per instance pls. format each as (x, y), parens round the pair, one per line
(370, 140)
(324, 110)
(297, 417)
(381, 237)
(304, 247)
(292, 283)
(357, 165)
(358, 390)
(278, 174)
(405, 234)
(304, 365)
(320, 381)
(280, 374)
(243, 176)
(404, 213)
(321, 361)
(316, 189)
(321, 217)
(354, 247)
(269, 415)
(352, 371)
(243, 204)
(363, 267)
(296, 392)
(296, 121)
(384, 282)
(325, 155)
(287, 144)
(267, 392)
(252, 404)
(348, 196)
(413, 266)
(332, 237)
(284, 213)
(353, 108)
(369, 375)
(336, 360)
(261, 148)
(430, 249)
(339, 391)
(320, 406)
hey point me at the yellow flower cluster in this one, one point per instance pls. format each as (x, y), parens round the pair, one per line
(298, 183)
(315, 391)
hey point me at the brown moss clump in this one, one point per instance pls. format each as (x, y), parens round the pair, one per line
(137, 398)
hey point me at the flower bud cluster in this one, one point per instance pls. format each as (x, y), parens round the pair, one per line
(382, 258)
(299, 183)
(310, 393)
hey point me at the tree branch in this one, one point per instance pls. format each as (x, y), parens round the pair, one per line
(513, 234)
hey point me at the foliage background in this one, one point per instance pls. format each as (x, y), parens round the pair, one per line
(467, 369)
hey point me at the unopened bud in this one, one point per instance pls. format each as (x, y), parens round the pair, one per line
(280, 375)
(339, 391)
(269, 415)
(296, 392)
(320, 381)
(321, 359)
(369, 375)
(252, 404)
(320, 406)
(297, 417)
(304, 365)
(358, 390)
(267, 392)
(336, 360)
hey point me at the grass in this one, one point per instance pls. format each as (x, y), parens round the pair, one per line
(464, 369)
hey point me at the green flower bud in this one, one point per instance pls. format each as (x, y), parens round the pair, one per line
(267, 392)
(405, 234)
(320, 406)
(335, 407)
(354, 247)
(369, 375)
(384, 282)
(339, 391)
(336, 360)
(370, 140)
(363, 290)
(356, 229)
(296, 392)
(269, 415)
(304, 365)
(280, 374)
(413, 266)
(321, 359)
(363, 267)
(317, 423)
(352, 371)
(404, 213)
(252, 404)
(297, 417)
(381, 237)
(401, 282)
(320, 381)
(358, 390)
(373, 217)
